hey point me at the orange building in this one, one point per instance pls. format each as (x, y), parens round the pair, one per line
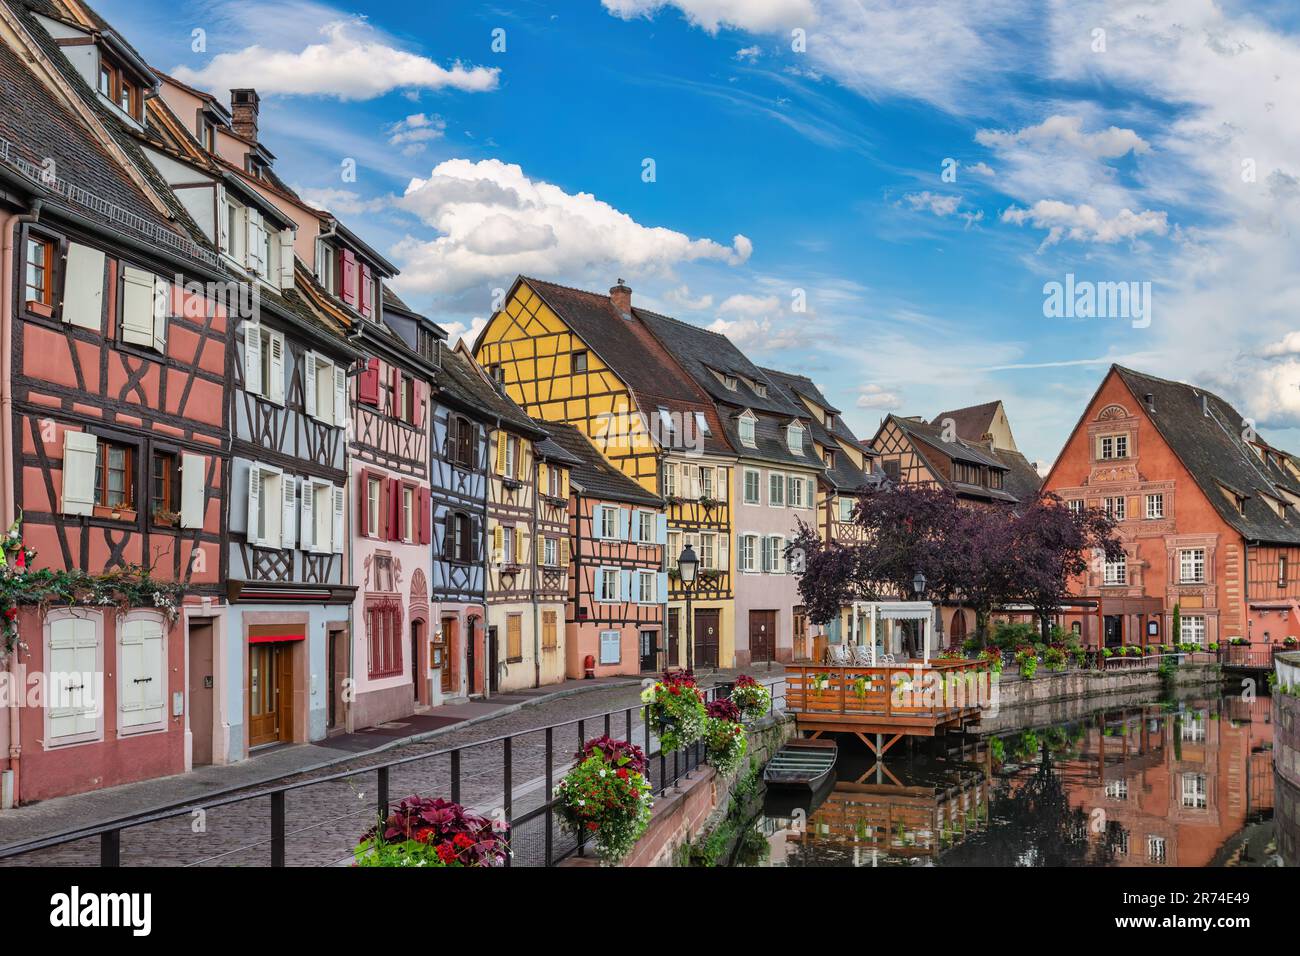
(1205, 508)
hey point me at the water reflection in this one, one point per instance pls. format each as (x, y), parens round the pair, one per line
(1186, 783)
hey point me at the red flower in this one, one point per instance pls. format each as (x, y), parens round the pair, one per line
(462, 841)
(422, 834)
(11, 613)
(674, 690)
(446, 852)
(622, 773)
(593, 825)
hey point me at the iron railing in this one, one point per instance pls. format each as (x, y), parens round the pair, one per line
(326, 834)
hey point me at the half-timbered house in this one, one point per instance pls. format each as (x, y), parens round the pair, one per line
(614, 552)
(115, 432)
(591, 361)
(774, 491)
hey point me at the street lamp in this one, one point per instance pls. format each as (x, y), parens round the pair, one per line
(687, 562)
(918, 584)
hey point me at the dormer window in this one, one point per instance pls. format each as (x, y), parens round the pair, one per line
(113, 84)
(760, 390)
(829, 456)
(830, 423)
(747, 431)
(794, 438)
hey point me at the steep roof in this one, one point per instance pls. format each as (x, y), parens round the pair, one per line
(842, 474)
(1205, 432)
(552, 450)
(634, 354)
(929, 441)
(464, 380)
(1022, 479)
(594, 474)
(972, 422)
(802, 387)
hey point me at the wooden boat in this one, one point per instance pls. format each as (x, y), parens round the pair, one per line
(801, 765)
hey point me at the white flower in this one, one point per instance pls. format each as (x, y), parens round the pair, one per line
(582, 803)
(602, 773)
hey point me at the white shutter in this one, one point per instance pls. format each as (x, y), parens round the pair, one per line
(223, 223)
(79, 455)
(308, 521)
(720, 484)
(253, 238)
(137, 306)
(286, 258)
(289, 522)
(276, 392)
(73, 664)
(721, 563)
(338, 519)
(253, 358)
(193, 483)
(83, 287)
(162, 307)
(254, 532)
(340, 395)
(142, 673)
(309, 377)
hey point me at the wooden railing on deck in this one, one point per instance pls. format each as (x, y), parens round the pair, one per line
(829, 689)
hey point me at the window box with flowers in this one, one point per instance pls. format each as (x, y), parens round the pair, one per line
(433, 832)
(606, 796)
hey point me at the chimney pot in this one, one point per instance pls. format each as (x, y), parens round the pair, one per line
(243, 112)
(621, 296)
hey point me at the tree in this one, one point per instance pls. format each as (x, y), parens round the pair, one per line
(1053, 546)
(984, 548)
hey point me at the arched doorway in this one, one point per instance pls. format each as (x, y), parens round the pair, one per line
(957, 633)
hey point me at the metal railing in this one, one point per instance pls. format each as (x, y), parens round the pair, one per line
(525, 806)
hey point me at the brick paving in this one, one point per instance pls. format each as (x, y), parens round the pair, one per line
(324, 821)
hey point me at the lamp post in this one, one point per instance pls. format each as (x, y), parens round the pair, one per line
(687, 562)
(918, 588)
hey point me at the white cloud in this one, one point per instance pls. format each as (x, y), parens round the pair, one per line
(415, 131)
(458, 330)
(873, 396)
(1289, 345)
(757, 16)
(748, 53)
(681, 297)
(495, 222)
(943, 205)
(1067, 132)
(343, 202)
(1084, 223)
(353, 62)
(980, 169)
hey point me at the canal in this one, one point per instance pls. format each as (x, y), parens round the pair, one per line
(1165, 782)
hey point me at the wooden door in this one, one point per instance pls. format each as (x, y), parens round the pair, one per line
(263, 694)
(338, 671)
(492, 658)
(707, 632)
(283, 655)
(649, 651)
(200, 692)
(442, 641)
(800, 644)
(674, 628)
(762, 635)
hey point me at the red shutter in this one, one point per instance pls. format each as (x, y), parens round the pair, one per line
(417, 406)
(395, 392)
(363, 505)
(367, 284)
(426, 518)
(385, 509)
(368, 385)
(395, 528)
(348, 273)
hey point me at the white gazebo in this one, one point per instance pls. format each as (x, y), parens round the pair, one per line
(877, 618)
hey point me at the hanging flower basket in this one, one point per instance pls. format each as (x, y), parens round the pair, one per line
(751, 697)
(433, 832)
(606, 797)
(675, 711)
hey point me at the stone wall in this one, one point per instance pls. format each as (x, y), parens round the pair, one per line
(1286, 737)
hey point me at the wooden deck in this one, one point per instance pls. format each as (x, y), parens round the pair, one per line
(895, 700)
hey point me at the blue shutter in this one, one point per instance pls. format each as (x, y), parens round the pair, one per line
(625, 584)
(661, 533)
(598, 521)
(623, 524)
(661, 586)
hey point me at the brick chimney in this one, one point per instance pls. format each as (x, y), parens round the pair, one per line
(621, 296)
(243, 113)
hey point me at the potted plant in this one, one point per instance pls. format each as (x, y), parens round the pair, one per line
(432, 832)
(168, 519)
(1054, 658)
(1027, 659)
(675, 710)
(1290, 641)
(724, 738)
(606, 796)
(751, 697)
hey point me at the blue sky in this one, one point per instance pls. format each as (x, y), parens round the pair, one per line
(1163, 149)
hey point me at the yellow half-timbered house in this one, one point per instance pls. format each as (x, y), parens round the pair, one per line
(566, 355)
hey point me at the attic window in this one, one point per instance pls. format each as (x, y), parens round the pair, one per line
(830, 458)
(794, 438)
(701, 424)
(113, 85)
(830, 423)
(760, 389)
(747, 431)
(580, 361)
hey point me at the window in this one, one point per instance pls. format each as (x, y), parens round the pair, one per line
(38, 276)
(995, 478)
(508, 553)
(325, 391)
(146, 301)
(463, 442)
(1194, 729)
(1117, 790)
(747, 432)
(162, 485)
(1116, 572)
(670, 479)
(1155, 849)
(142, 669)
(645, 587)
(645, 523)
(1191, 566)
(748, 546)
(760, 389)
(707, 556)
(580, 361)
(1155, 506)
(113, 84)
(114, 476)
(426, 344)
(608, 524)
(384, 638)
(105, 85)
(1113, 446)
(793, 435)
(408, 514)
(706, 481)
(607, 585)
(1194, 795)
(512, 457)
(1115, 507)
(1281, 570)
(264, 362)
(322, 517)
(829, 457)
(776, 554)
(550, 552)
(550, 633)
(846, 509)
(1192, 630)
(374, 498)
(795, 492)
(458, 545)
(327, 267)
(674, 548)
(752, 492)
(1075, 505)
(272, 517)
(74, 707)
(775, 490)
